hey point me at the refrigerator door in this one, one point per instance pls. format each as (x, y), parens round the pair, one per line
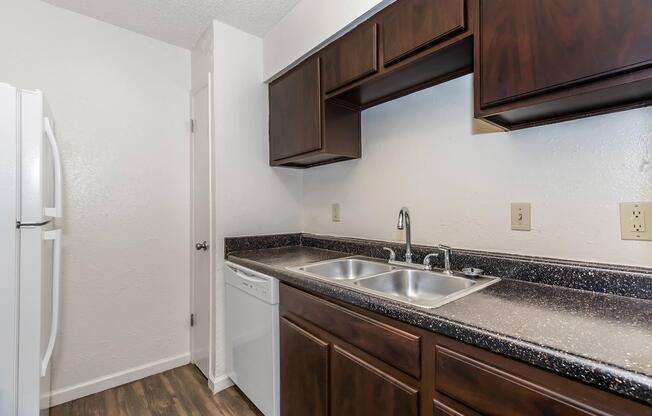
(40, 179)
(8, 251)
(39, 270)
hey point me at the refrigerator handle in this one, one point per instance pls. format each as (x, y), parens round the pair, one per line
(56, 211)
(55, 236)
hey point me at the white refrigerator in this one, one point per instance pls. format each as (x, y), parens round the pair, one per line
(30, 251)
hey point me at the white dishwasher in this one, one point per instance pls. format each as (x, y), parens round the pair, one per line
(252, 336)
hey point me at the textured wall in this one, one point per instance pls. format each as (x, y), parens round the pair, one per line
(250, 196)
(421, 151)
(120, 103)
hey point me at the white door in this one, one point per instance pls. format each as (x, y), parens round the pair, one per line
(201, 226)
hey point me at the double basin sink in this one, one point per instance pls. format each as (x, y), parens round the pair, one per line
(422, 288)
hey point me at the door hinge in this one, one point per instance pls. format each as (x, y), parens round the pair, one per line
(192, 319)
(192, 125)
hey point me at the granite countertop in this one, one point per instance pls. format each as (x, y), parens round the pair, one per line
(601, 339)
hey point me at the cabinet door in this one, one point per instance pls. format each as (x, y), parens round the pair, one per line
(350, 58)
(295, 112)
(304, 372)
(535, 46)
(409, 25)
(360, 389)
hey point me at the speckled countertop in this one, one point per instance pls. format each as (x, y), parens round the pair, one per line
(604, 340)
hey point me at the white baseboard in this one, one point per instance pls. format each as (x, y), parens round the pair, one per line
(99, 384)
(217, 384)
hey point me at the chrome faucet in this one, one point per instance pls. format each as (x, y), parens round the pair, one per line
(404, 223)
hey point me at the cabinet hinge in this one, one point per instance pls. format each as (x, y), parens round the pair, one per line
(192, 125)
(192, 319)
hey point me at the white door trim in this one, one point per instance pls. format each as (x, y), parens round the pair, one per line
(211, 245)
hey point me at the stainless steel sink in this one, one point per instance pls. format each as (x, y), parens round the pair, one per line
(345, 269)
(422, 288)
(427, 289)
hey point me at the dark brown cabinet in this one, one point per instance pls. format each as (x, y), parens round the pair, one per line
(350, 58)
(305, 372)
(458, 374)
(544, 60)
(359, 388)
(295, 112)
(315, 108)
(354, 368)
(303, 129)
(410, 25)
(534, 62)
(341, 360)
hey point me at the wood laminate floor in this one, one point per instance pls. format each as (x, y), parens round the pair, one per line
(182, 391)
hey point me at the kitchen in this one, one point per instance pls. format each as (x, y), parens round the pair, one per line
(232, 173)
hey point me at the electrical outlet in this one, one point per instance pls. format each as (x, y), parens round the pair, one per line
(633, 218)
(521, 216)
(335, 212)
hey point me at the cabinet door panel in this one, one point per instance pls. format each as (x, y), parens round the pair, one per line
(534, 46)
(304, 372)
(493, 392)
(295, 112)
(410, 25)
(359, 389)
(350, 58)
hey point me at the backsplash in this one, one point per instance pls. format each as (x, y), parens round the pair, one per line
(635, 282)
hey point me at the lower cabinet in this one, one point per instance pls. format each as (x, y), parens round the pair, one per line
(338, 359)
(304, 371)
(360, 388)
(322, 375)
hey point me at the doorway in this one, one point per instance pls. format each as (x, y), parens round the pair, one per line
(201, 235)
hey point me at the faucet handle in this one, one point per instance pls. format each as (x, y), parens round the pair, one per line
(443, 247)
(426, 260)
(392, 253)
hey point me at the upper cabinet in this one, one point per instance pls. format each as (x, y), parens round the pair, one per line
(351, 57)
(540, 61)
(411, 25)
(421, 43)
(534, 62)
(305, 131)
(295, 112)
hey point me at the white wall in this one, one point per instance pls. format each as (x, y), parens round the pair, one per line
(121, 105)
(201, 57)
(311, 23)
(419, 151)
(250, 196)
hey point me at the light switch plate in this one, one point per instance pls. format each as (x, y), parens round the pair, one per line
(336, 212)
(636, 221)
(521, 216)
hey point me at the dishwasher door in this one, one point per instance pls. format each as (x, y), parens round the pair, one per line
(252, 336)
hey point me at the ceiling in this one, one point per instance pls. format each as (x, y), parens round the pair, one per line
(181, 22)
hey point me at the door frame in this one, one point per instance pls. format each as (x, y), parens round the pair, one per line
(211, 245)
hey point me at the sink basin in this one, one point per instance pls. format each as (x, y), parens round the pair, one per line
(416, 285)
(345, 269)
(422, 288)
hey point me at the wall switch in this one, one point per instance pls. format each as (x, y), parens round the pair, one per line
(635, 220)
(335, 212)
(521, 220)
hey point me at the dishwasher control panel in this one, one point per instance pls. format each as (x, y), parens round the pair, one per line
(256, 284)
